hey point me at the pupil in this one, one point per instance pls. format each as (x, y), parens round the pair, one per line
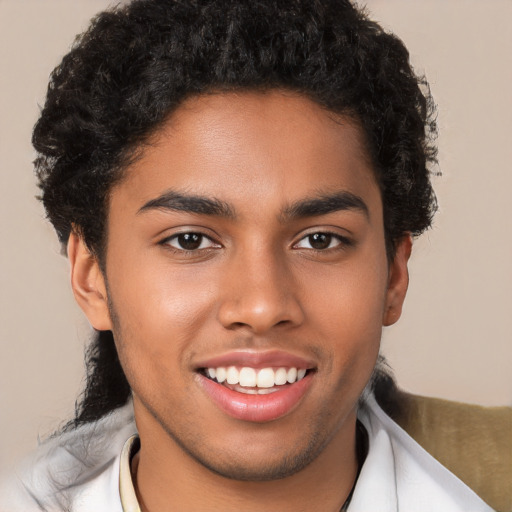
(190, 241)
(320, 240)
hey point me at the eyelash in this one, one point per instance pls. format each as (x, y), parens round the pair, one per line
(167, 242)
(343, 242)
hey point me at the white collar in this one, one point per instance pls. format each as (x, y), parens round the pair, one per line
(126, 490)
(397, 475)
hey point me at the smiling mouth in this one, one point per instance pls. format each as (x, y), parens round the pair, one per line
(255, 381)
(256, 387)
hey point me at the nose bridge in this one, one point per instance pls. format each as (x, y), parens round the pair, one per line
(259, 290)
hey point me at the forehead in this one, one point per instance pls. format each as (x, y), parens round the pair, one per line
(263, 146)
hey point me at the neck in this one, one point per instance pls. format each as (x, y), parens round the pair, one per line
(167, 478)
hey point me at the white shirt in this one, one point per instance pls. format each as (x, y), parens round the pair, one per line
(83, 470)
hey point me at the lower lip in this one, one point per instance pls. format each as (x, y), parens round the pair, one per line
(256, 408)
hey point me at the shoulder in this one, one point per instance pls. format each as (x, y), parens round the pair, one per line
(400, 474)
(73, 471)
(471, 441)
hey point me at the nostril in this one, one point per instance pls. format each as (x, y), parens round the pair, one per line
(239, 324)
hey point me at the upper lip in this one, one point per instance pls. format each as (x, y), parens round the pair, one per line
(256, 359)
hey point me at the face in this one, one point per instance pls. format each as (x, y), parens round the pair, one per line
(247, 282)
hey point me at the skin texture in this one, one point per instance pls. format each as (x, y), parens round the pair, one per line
(254, 284)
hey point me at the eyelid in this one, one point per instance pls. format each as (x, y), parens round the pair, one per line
(189, 230)
(344, 241)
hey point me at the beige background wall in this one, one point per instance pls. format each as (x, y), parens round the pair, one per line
(455, 339)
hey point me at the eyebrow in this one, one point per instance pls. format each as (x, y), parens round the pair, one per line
(309, 207)
(325, 204)
(177, 201)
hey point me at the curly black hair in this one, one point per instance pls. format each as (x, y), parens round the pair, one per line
(137, 63)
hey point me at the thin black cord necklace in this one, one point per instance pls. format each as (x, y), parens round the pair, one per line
(362, 445)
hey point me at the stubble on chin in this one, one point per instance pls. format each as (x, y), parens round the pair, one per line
(247, 469)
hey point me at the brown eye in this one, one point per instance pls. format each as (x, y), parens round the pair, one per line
(320, 241)
(190, 242)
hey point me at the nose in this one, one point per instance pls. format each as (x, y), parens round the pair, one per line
(259, 293)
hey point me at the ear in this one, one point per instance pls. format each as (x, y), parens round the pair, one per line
(398, 281)
(88, 284)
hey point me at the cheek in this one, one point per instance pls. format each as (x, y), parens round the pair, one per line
(347, 312)
(158, 297)
(350, 301)
(157, 314)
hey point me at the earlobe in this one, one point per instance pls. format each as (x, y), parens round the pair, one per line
(398, 281)
(88, 284)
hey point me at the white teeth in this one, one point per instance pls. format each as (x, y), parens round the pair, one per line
(232, 375)
(291, 376)
(220, 374)
(281, 377)
(265, 391)
(248, 377)
(255, 391)
(266, 378)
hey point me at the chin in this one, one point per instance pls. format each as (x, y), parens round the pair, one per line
(264, 471)
(260, 461)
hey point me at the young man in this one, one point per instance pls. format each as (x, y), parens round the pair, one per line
(237, 185)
